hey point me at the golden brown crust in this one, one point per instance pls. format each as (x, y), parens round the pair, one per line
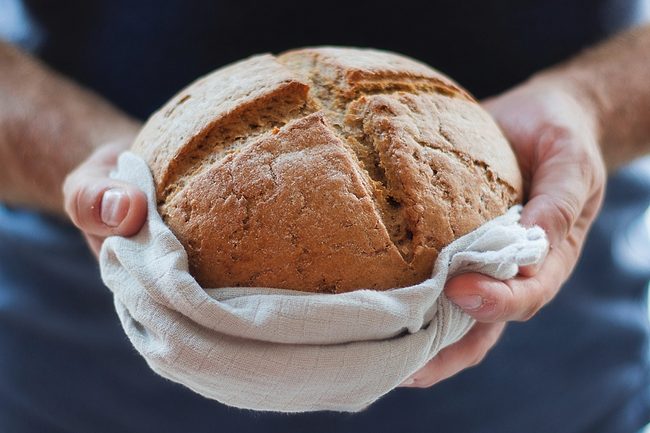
(325, 169)
(366, 70)
(174, 133)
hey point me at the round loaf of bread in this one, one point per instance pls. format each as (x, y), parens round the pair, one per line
(325, 170)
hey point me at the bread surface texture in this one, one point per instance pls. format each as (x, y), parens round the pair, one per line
(325, 170)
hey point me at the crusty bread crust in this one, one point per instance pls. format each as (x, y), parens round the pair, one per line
(325, 170)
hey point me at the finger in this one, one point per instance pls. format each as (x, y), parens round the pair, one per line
(104, 207)
(560, 186)
(490, 300)
(467, 352)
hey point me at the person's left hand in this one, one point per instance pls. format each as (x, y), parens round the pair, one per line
(554, 133)
(100, 206)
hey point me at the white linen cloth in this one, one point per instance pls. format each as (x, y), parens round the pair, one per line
(287, 351)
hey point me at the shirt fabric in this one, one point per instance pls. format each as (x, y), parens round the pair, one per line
(580, 365)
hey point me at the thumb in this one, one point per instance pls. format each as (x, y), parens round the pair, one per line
(103, 206)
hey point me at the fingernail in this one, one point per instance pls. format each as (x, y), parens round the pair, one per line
(114, 206)
(471, 302)
(409, 381)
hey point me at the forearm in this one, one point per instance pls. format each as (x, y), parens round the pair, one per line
(48, 125)
(613, 81)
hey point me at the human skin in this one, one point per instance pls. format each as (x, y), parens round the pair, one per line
(561, 123)
(48, 126)
(556, 145)
(564, 123)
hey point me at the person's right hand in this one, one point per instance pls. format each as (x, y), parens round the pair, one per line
(100, 206)
(555, 135)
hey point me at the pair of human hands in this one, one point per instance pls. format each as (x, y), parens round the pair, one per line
(554, 134)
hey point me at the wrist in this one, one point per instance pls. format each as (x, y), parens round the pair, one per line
(576, 88)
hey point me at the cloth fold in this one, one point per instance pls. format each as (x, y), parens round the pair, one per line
(287, 351)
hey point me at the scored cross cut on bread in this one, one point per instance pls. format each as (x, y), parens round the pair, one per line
(325, 170)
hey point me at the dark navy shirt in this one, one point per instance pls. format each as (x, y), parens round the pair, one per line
(580, 365)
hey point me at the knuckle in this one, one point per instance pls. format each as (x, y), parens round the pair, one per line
(499, 310)
(588, 162)
(503, 305)
(505, 310)
(591, 167)
(598, 165)
(565, 211)
(539, 298)
(84, 208)
(553, 140)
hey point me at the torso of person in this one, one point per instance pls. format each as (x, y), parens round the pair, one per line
(580, 365)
